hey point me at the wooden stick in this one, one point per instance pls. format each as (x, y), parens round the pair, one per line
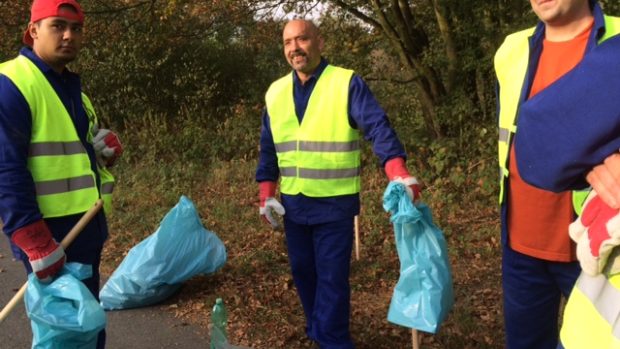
(356, 223)
(415, 340)
(73, 233)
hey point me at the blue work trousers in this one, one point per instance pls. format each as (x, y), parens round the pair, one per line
(320, 257)
(533, 289)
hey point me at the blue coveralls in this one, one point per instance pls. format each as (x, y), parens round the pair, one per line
(18, 205)
(533, 287)
(319, 231)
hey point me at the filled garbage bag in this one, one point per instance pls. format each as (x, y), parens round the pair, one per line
(423, 295)
(156, 267)
(64, 314)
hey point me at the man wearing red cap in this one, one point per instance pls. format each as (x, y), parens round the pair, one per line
(53, 157)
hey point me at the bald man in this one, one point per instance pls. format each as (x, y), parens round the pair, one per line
(314, 119)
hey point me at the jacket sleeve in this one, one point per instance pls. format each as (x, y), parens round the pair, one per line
(267, 169)
(18, 205)
(366, 115)
(572, 125)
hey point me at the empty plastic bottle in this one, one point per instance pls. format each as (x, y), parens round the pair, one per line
(219, 318)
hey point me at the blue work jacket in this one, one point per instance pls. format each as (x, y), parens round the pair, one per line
(573, 124)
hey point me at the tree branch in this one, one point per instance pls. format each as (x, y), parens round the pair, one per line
(110, 9)
(357, 13)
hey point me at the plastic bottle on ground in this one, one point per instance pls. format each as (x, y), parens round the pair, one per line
(219, 319)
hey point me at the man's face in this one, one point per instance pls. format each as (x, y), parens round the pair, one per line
(558, 12)
(57, 40)
(302, 46)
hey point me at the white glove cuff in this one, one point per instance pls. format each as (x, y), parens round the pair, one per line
(407, 182)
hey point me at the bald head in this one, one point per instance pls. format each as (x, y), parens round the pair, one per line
(303, 45)
(308, 25)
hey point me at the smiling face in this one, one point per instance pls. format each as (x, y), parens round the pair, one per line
(560, 12)
(56, 40)
(302, 47)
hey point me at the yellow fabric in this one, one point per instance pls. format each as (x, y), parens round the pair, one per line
(51, 123)
(511, 62)
(583, 327)
(612, 27)
(105, 176)
(325, 122)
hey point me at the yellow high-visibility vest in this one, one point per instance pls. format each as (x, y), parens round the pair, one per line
(60, 167)
(321, 156)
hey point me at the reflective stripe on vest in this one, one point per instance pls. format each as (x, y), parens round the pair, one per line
(321, 156)
(55, 148)
(511, 65)
(318, 146)
(591, 316)
(107, 188)
(60, 186)
(57, 161)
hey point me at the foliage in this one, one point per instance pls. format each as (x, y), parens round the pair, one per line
(160, 57)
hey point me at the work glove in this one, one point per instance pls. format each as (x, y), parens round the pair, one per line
(396, 171)
(46, 256)
(597, 233)
(268, 203)
(107, 146)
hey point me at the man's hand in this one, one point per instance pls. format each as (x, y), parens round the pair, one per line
(46, 256)
(605, 180)
(596, 232)
(268, 203)
(107, 146)
(411, 186)
(396, 171)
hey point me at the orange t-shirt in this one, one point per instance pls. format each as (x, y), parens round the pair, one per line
(538, 219)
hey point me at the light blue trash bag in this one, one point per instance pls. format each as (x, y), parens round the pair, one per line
(156, 267)
(64, 314)
(423, 295)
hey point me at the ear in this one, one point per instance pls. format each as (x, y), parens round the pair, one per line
(33, 30)
(321, 43)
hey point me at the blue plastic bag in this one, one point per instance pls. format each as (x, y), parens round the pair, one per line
(423, 295)
(64, 314)
(156, 267)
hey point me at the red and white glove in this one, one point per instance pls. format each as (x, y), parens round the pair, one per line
(268, 203)
(107, 146)
(596, 232)
(46, 256)
(396, 171)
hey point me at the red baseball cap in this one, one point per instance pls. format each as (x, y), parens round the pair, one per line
(42, 9)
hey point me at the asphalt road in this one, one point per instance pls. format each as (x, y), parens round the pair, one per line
(150, 327)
